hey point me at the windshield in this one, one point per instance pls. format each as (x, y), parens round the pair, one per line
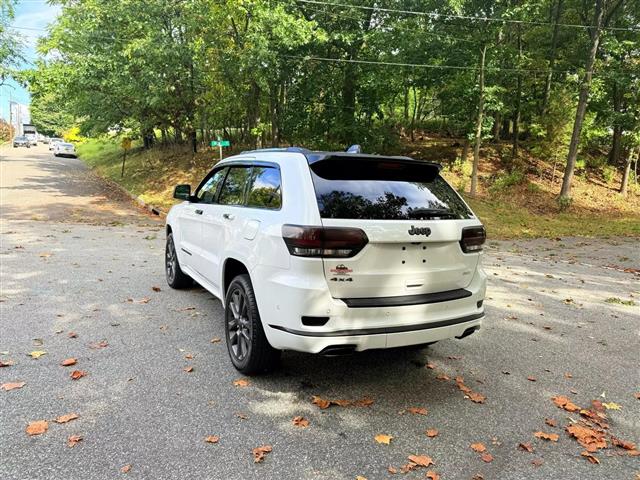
(385, 189)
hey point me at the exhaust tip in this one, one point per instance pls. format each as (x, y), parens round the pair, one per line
(468, 332)
(338, 350)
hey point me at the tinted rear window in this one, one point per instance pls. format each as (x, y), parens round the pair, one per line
(384, 190)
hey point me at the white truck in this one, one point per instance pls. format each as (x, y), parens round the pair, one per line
(30, 132)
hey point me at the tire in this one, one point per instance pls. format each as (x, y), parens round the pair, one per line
(176, 278)
(248, 347)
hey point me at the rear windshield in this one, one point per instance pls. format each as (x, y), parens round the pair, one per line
(384, 190)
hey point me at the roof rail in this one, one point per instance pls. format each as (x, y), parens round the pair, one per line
(279, 149)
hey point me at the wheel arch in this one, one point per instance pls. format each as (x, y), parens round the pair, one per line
(231, 269)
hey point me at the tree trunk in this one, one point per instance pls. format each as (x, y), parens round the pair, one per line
(413, 114)
(496, 126)
(627, 172)
(478, 138)
(349, 86)
(516, 113)
(616, 140)
(565, 191)
(465, 149)
(552, 58)
(273, 111)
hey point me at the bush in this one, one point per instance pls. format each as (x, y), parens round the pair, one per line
(506, 180)
(608, 173)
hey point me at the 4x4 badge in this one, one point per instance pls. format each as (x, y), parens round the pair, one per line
(419, 231)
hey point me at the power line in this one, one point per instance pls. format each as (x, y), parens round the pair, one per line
(422, 65)
(449, 16)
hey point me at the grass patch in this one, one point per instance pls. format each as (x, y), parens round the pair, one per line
(619, 301)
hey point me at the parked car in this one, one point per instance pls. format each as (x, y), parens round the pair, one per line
(53, 141)
(63, 149)
(21, 141)
(328, 252)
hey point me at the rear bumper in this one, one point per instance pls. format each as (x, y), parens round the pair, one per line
(286, 300)
(313, 343)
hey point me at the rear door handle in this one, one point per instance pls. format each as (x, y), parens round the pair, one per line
(228, 216)
(198, 212)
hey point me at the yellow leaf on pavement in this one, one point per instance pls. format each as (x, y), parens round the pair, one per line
(382, 438)
(37, 353)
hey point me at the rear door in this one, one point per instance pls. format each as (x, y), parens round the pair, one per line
(412, 218)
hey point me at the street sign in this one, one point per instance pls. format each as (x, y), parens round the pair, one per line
(220, 143)
(126, 143)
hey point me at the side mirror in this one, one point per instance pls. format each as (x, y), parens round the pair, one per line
(182, 192)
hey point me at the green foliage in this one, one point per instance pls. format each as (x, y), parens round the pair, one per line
(283, 72)
(507, 180)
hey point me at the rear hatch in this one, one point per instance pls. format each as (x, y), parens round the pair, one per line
(413, 221)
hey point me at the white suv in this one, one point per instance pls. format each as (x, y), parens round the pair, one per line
(328, 252)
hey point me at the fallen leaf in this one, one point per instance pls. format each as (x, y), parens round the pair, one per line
(417, 410)
(360, 477)
(300, 422)
(100, 344)
(260, 452)
(363, 402)
(532, 379)
(421, 460)
(77, 374)
(212, 439)
(156, 289)
(241, 382)
(432, 432)
(126, 468)
(589, 438)
(408, 467)
(637, 395)
(72, 335)
(45, 254)
(392, 470)
(216, 340)
(5, 364)
(188, 356)
(431, 475)
(551, 422)
(430, 366)
(442, 376)
(382, 438)
(73, 440)
(38, 427)
(590, 457)
(242, 416)
(321, 402)
(563, 402)
(568, 375)
(547, 436)
(536, 462)
(67, 418)
(188, 369)
(527, 447)
(68, 362)
(476, 397)
(487, 457)
(12, 386)
(611, 406)
(478, 447)
(37, 353)
(623, 443)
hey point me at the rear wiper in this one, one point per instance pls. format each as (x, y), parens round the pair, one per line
(430, 213)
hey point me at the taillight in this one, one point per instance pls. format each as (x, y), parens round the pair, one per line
(472, 239)
(331, 242)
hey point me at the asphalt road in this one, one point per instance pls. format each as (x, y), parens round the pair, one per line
(75, 256)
